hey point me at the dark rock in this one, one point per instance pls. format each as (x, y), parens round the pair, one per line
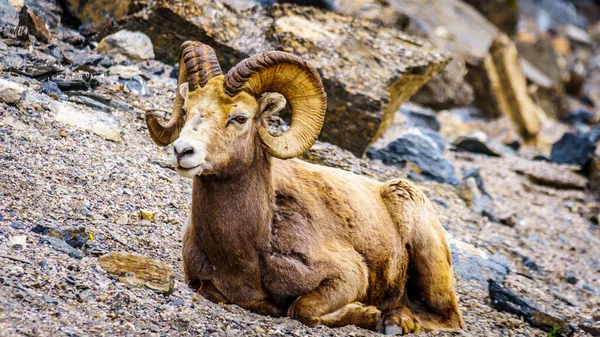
(540, 157)
(38, 70)
(75, 237)
(509, 219)
(51, 89)
(421, 118)
(41, 229)
(36, 26)
(43, 264)
(479, 142)
(74, 82)
(505, 300)
(571, 278)
(50, 299)
(1, 217)
(590, 328)
(472, 264)
(530, 263)
(17, 225)
(503, 14)
(572, 149)
(361, 103)
(175, 72)
(94, 101)
(579, 116)
(62, 246)
(417, 150)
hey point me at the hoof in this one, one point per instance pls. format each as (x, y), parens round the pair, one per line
(393, 330)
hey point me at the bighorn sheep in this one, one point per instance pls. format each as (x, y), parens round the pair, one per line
(285, 237)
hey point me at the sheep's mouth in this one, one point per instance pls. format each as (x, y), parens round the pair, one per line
(189, 171)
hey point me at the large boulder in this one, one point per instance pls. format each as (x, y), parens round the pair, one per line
(368, 71)
(135, 46)
(502, 89)
(451, 25)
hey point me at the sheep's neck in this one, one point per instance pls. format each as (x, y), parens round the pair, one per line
(231, 217)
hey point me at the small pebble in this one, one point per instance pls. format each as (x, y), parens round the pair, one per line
(178, 302)
(18, 242)
(50, 300)
(43, 264)
(17, 225)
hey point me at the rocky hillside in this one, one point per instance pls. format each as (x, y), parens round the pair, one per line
(490, 107)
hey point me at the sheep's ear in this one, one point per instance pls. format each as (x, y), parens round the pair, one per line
(184, 89)
(270, 103)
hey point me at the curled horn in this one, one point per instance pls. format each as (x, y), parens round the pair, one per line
(197, 64)
(298, 82)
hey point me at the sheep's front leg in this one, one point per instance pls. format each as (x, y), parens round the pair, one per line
(331, 303)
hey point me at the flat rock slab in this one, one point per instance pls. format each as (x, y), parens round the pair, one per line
(368, 71)
(556, 176)
(135, 270)
(100, 123)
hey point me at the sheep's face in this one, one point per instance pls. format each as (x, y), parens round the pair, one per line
(220, 132)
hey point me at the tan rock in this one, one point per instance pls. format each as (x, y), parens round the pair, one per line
(147, 215)
(135, 270)
(368, 71)
(36, 26)
(100, 123)
(502, 89)
(88, 11)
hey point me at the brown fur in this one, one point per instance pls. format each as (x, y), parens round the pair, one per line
(321, 245)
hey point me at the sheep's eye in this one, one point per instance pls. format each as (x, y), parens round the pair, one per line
(240, 119)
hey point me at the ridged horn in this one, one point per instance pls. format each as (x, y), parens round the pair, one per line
(298, 82)
(197, 64)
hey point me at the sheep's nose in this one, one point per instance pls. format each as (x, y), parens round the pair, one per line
(182, 149)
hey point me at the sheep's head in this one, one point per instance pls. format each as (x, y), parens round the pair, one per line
(219, 120)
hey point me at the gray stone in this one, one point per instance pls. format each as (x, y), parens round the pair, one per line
(472, 263)
(479, 142)
(62, 246)
(10, 92)
(136, 46)
(419, 152)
